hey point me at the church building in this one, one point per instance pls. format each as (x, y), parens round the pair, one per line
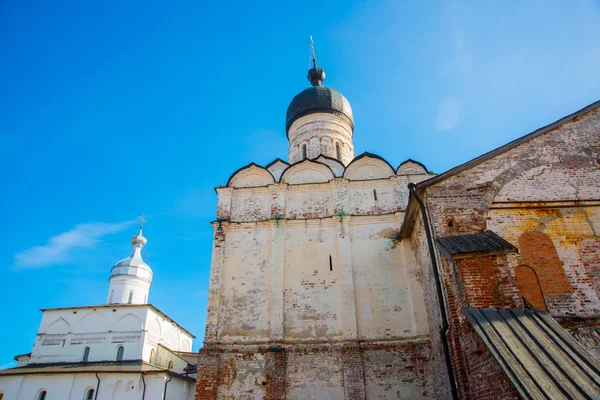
(343, 276)
(336, 276)
(123, 349)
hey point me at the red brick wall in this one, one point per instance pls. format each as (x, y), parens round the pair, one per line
(538, 252)
(484, 281)
(480, 282)
(530, 286)
(207, 374)
(275, 370)
(351, 371)
(354, 377)
(589, 251)
(486, 379)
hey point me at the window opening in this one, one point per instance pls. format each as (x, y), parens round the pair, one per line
(151, 355)
(112, 292)
(130, 297)
(375, 194)
(330, 264)
(170, 364)
(120, 352)
(42, 395)
(304, 151)
(1, 395)
(338, 151)
(90, 394)
(86, 354)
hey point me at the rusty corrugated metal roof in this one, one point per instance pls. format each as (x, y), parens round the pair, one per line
(484, 242)
(539, 357)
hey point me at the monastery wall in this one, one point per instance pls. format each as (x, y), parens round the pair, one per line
(543, 197)
(302, 271)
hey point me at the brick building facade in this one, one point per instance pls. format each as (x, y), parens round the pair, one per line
(323, 284)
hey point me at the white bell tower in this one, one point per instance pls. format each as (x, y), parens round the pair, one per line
(131, 278)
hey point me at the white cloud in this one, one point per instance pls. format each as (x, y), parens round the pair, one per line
(60, 247)
(451, 112)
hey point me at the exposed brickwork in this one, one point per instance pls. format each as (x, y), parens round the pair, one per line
(538, 252)
(589, 250)
(346, 298)
(585, 330)
(276, 367)
(486, 378)
(530, 286)
(397, 371)
(354, 379)
(208, 374)
(542, 196)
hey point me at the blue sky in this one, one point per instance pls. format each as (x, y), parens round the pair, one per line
(110, 109)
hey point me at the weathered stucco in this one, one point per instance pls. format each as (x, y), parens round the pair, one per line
(311, 265)
(543, 197)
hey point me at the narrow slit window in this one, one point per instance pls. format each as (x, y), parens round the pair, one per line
(90, 394)
(375, 194)
(338, 151)
(86, 354)
(42, 395)
(120, 352)
(304, 151)
(130, 299)
(330, 263)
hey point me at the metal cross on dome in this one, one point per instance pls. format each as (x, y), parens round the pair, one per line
(142, 220)
(312, 52)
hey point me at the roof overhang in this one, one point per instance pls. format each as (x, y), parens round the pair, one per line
(420, 188)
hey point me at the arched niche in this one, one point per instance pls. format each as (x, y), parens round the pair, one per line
(154, 328)
(129, 322)
(186, 345)
(530, 286)
(538, 251)
(307, 171)
(59, 325)
(251, 175)
(368, 166)
(93, 321)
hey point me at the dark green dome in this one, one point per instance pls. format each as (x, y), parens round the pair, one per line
(318, 99)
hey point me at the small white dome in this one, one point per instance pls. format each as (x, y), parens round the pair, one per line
(131, 278)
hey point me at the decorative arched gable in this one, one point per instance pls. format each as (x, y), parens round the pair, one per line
(129, 322)
(411, 167)
(336, 166)
(251, 175)
(91, 322)
(307, 171)
(60, 325)
(276, 168)
(368, 166)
